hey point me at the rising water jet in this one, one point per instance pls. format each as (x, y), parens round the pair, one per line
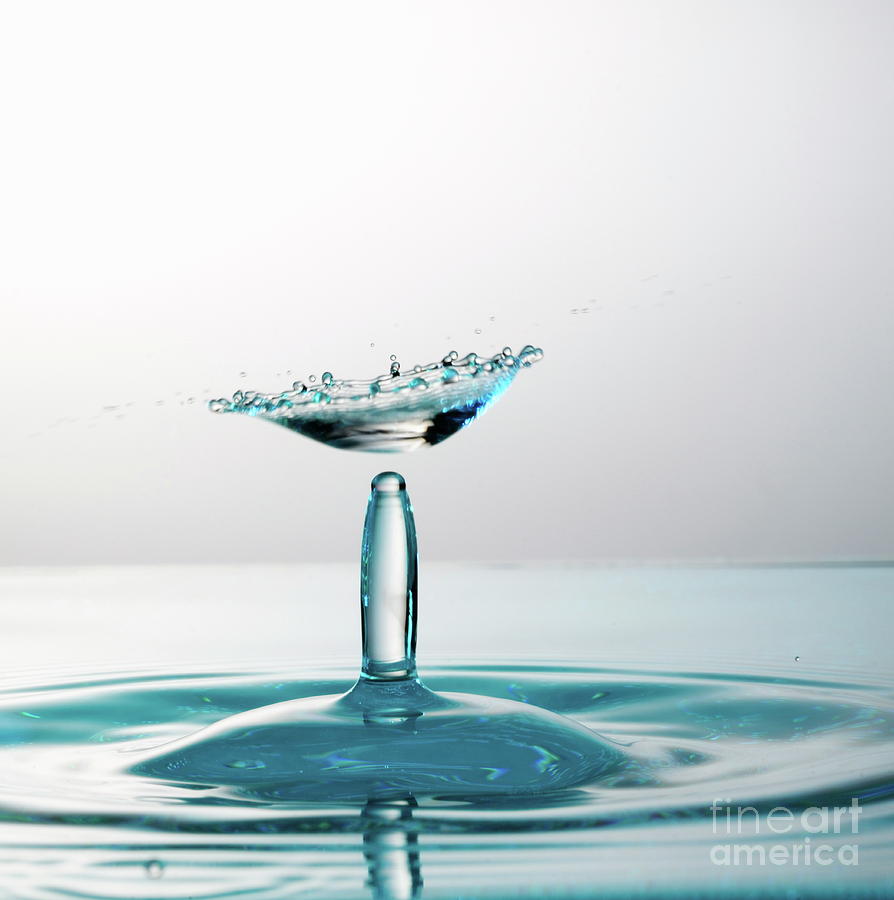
(389, 736)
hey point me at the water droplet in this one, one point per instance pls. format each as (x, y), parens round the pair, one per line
(418, 383)
(218, 406)
(154, 868)
(529, 355)
(246, 764)
(395, 369)
(238, 397)
(243, 374)
(392, 357)
(327, 378)
(797, 659)
(493, 318)
(299, 387)
(190, 400)
(312, 379)
(507, 351)
(372, 345)
(477, 331)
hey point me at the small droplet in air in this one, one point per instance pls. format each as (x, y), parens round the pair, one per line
(327, 378)
(218, 406)
(477, 331)
(372, 345)
(243, 374)
(395, 369)
(312, 379)
(392, 357)
(190, 400)
(154, 868)
(797, 659)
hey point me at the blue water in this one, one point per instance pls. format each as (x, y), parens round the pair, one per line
(389, 737)
(760, 687)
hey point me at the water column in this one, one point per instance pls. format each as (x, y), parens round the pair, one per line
(388, 582)
(389, 737)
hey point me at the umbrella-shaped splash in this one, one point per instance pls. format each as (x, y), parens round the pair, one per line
(394, 412)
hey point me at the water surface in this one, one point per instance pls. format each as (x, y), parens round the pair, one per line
(735, 718)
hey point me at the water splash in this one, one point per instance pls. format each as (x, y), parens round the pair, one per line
(389, 736)
(395, 412)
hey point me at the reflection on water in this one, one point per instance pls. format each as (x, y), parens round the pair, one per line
(391, 848)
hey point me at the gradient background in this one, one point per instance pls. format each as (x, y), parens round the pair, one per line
(193, 190)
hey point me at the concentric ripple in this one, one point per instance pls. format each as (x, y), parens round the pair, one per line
(72, 824)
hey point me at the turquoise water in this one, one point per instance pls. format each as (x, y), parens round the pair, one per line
(389, 737)
(395, 412)
(760, 687)
(72, 825)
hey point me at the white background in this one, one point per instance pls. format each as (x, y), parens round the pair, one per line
(192, 190)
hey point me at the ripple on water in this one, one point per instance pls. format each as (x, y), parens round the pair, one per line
(73, 824)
